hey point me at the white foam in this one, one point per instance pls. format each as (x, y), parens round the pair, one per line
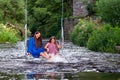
(57, 58)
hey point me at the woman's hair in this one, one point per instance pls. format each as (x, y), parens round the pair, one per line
(38, 42)
(53, 37)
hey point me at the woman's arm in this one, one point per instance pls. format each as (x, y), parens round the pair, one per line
(29, 46)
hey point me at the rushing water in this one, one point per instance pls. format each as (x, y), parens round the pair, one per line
(82, 64)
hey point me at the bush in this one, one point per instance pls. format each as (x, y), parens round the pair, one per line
(104, 39)
(7, 35)
(109, 11)
(82, 31)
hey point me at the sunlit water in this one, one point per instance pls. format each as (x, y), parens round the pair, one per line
(72, 64)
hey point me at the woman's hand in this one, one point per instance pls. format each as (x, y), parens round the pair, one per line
(28, 53)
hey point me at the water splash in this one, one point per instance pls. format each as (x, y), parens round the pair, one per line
(57, 58)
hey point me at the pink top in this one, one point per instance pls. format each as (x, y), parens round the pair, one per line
(52, 48)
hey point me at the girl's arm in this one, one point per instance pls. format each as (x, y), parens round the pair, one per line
(46, 47)
(59, 46)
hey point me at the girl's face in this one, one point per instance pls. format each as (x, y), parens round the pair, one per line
(52, 40)
(37, 35)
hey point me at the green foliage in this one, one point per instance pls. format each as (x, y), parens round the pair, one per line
(104, 39)
(90, 6)
(109, 11)
(7, 34)
(12, 14)
(82, 32)
(11, 11)
(45, 16)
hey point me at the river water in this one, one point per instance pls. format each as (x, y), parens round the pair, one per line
(82, 64)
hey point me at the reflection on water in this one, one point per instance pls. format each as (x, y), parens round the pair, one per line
(49, 76)
(75, 76)
(6, 76)
(95, 76)
(61, 76)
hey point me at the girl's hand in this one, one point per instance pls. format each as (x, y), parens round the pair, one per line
(62, 44)
(47, 49)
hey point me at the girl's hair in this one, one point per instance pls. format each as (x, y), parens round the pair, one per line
(38, 42)
(53, 37)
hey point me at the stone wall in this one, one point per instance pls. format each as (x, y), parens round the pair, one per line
(68, 27)
(79, 10)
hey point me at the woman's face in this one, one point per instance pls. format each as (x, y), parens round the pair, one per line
(37, 35)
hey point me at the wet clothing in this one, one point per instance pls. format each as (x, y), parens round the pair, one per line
(52, 48)
(35, 52)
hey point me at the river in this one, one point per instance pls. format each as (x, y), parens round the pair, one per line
(82, 64)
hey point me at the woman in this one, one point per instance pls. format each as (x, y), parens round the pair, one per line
(35, 46)
(52, 46)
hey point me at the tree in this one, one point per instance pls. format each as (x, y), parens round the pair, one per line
(12, 11)
(109, 11)
(45, 16)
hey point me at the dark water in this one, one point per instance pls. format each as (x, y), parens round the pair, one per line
(61, 76)
(77, 76)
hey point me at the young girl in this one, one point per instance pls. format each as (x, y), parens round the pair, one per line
(52, 46)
